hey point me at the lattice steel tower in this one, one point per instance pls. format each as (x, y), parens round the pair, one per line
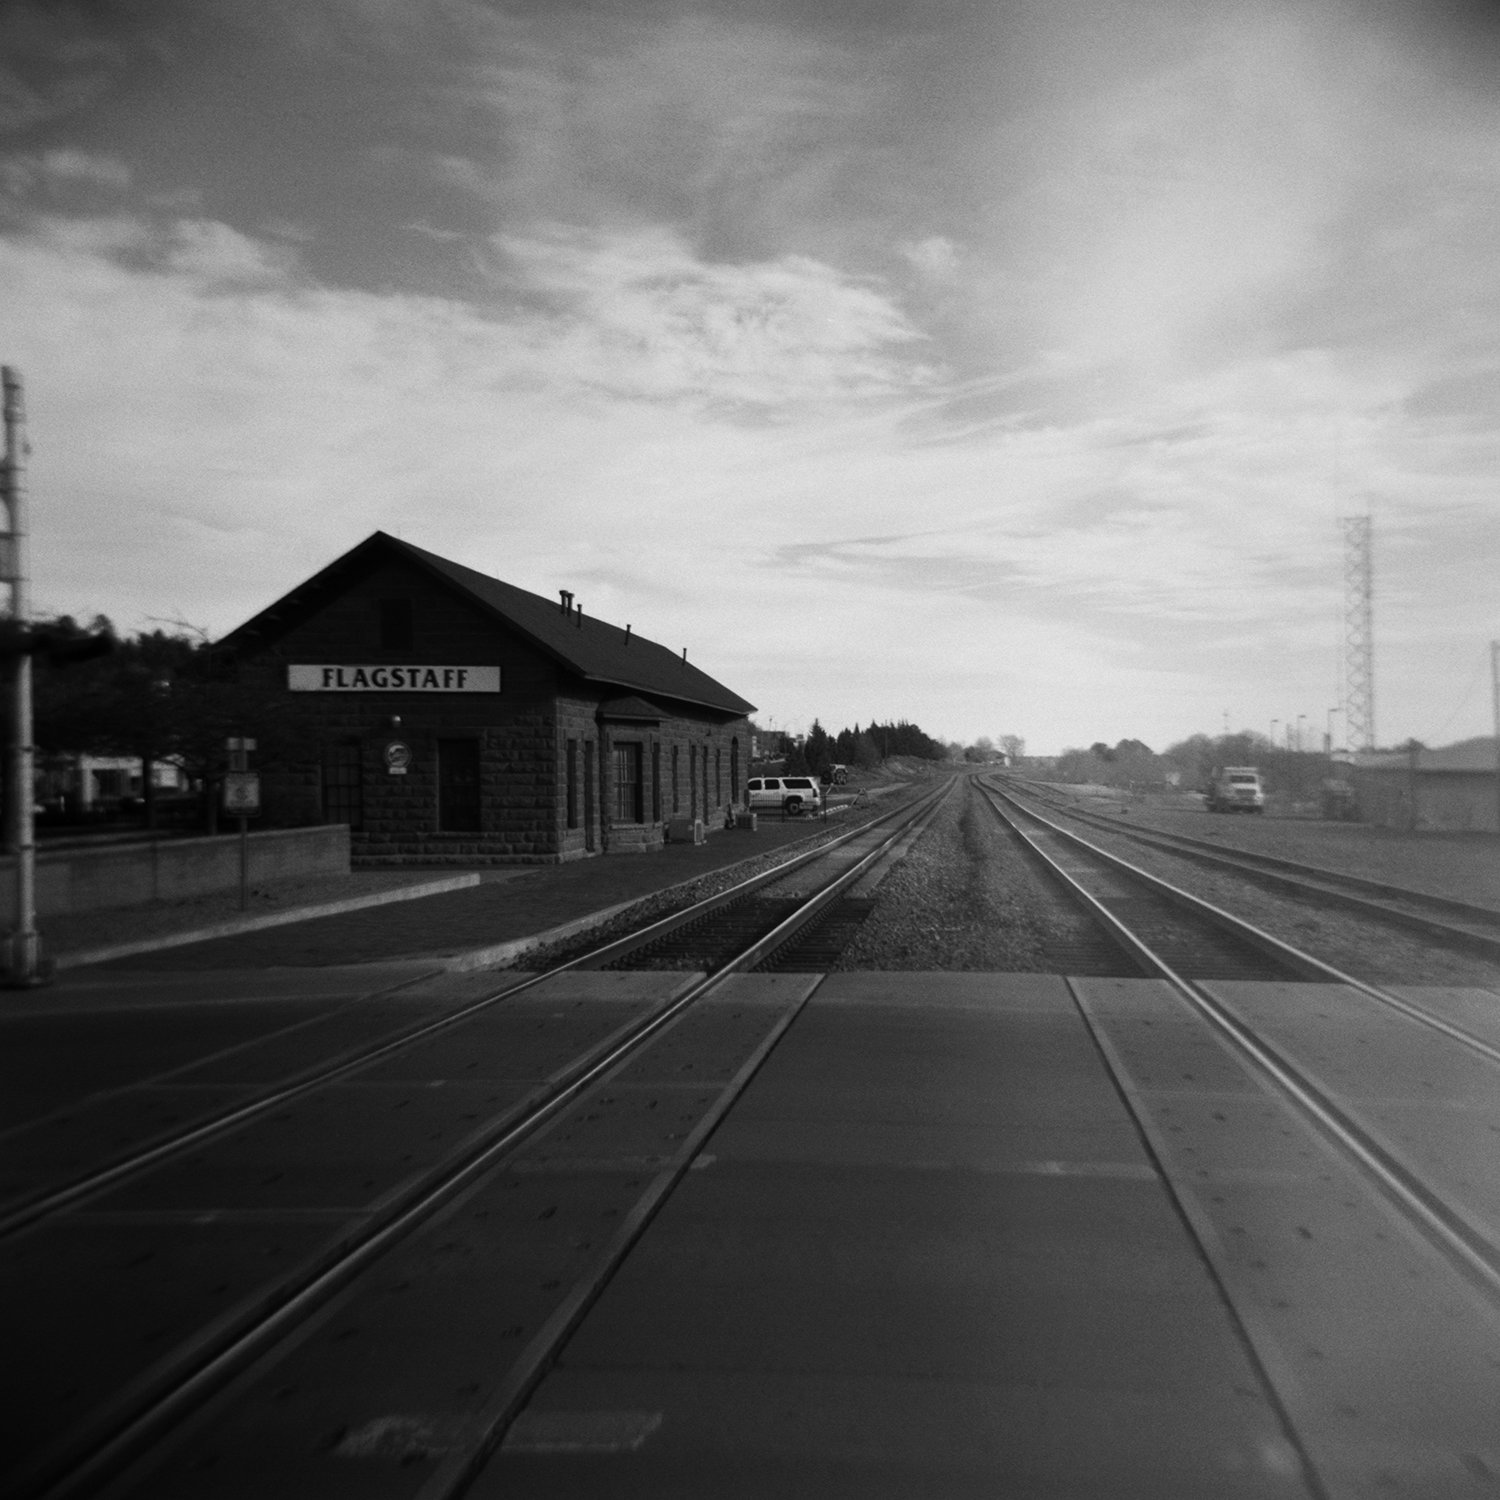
(1359, 635)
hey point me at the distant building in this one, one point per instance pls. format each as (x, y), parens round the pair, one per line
(452, 718)
(1454, 789)
(91, 784)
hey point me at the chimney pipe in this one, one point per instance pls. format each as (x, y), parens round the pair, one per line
(566, 595)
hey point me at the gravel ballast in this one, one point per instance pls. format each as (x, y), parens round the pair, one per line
(964, 898)
(967, 897)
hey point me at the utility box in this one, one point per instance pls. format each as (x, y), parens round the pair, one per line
(745, 820)
(686, 831)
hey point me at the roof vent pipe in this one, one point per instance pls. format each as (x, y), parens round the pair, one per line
(684, 653)
(580, 617)
(627, 635)
(566, 595)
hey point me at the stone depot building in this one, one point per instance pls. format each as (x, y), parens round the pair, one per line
(450, 717)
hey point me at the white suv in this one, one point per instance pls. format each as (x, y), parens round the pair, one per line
(790, 793)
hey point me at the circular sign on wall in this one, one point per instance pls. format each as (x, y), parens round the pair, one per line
(397, 757)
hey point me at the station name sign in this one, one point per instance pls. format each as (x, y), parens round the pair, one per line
(306, 677)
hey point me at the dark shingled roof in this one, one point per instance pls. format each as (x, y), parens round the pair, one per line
(592, 649)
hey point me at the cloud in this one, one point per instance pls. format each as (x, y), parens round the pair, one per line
(61, 177)
(733, 131)
(638, 314)
(935, 258)
(56, 60)
(1049, 426)
(213, 254)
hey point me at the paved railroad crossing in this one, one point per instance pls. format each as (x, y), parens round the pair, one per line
(954, 1234)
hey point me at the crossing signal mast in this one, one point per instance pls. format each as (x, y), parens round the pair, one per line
(1359, 635)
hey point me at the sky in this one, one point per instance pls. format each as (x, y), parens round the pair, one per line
(1005, 366)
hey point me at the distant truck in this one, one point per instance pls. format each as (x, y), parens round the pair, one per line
(1236, 789)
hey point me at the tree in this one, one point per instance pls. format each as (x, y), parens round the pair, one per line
(71, 685)
(817, 750)
(1013, 746)
(158, 697)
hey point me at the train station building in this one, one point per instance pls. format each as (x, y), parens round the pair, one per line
(448, 717)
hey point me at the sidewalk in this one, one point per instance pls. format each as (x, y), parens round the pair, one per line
(456, 919)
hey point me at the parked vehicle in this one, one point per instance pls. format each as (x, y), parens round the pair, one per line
(1236, 789)
(792, 794)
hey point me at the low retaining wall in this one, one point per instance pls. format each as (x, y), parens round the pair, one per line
(87, 879)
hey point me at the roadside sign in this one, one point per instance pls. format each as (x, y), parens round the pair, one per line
(239, 748)
(242, 793)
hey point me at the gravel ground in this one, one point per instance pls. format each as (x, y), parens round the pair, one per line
(964, 897)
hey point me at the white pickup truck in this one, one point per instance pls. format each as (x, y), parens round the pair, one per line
(1236, 789)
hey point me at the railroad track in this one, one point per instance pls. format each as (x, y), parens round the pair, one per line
(1449, 1205)
(200, 1352)
(1148, 922)
(1462, 925)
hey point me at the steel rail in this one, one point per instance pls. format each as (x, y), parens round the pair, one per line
(1471, 1247)
(24, 1212)
(1331, 886)
(1310, 966)
(120, 1432)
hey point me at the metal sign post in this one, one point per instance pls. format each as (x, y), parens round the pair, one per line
(24, 964)
(242, 797)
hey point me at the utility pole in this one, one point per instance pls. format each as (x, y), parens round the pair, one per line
(1359, 635)
(23, 957)
(1495, 702)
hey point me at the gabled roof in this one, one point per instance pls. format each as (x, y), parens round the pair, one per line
(592, 649)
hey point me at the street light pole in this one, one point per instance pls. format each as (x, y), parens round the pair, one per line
(23, 965)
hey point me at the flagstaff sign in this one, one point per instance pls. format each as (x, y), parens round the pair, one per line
(303, 677)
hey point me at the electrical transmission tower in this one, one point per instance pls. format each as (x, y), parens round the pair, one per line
(1359, 636)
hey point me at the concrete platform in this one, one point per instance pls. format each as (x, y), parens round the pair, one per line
(458, 920)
